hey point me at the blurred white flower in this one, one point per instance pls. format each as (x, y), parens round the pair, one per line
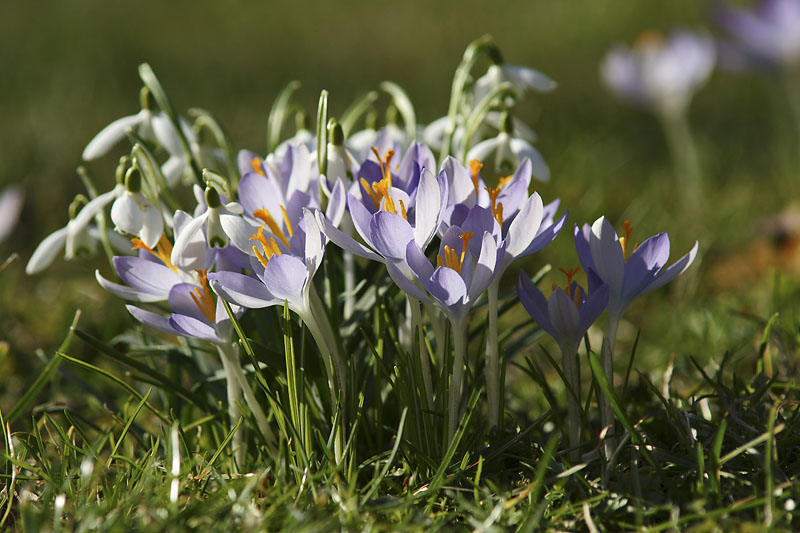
(10, 207)
(661, 74)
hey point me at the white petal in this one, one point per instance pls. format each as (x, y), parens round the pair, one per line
(126, 213)
(523, 149)
(427, 208)
(111, 135)
(46, 251)
(152, 226)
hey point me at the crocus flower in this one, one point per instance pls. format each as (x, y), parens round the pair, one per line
(569, 311)
(768, 36)
(10, 208)
(606, 257)
(660, 74)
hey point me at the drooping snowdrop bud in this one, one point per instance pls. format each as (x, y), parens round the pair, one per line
(133, 213)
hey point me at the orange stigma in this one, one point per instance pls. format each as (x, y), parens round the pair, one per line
(386, 171)
(256, 164)
(475, 166)
(623, 241)
(163, 250)
(268, 247)
(576, 294)
(202, 296)
(264, 215)
(451, 257)
(497, 208)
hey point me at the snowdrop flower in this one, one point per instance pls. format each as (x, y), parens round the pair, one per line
(204, 228)
(769, 35)
(134, 214)
(77, 236)
(10, 207)
(100, 145)
(660, 74)
(521, 78)
(509, 151)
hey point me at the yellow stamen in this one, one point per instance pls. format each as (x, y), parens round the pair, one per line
(386, 170)
(264, 215)
(269, 248)
(503, 181)
(403, 210)
(451, 257)
(202, 296)
(256, 164)
(288, 222)
(376, 199)
(163, 250)
(497, 208)
(475, 166)
(623, 241)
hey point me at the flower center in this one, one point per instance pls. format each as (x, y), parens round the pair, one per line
(163, 250)
(268, 248)
(573, 292)
(497, 207)
(623, 241)
(256, 164)
(264, 215)
(475, 166)
(384, 163)
(202, 296)
(451, 257)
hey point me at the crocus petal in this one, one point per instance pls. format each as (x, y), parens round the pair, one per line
(337, 203)
(545, 236)
(125, 292)
(390, 234)
(426, 209)
(485, 268)
(46, 252)
(242, 290)
(418, 263)
(239, 230)
(592, 307)
(534, 303)
(676, 269)
(361, 218)
(405, 284)
(145, 275)
(582, 237)
(314, 245)
(152, 320)
(607, 254)
(285, 278)
(345, 241)
(525, 226)
(462, 190)
(564, 317)
(182, 303)
(111, 135)
(644, 264)
(192, 327)
(447, 286)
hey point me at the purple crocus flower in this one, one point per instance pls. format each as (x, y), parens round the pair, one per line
(606, 258)
(660, 74)
(768, 36)
(568, 313)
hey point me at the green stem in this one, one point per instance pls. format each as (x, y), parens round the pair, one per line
(684, 154)
(457, 377)
(229, 353)
(493, 359)
(606, 411)
(571, 366)
(234, 398)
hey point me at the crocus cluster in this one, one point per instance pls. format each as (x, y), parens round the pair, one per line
(445, 209)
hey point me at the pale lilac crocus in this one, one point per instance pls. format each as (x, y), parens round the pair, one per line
(658, 73)
(769, 35)
(606, 258)
(460, 278)
(521, 226)
(566, 316)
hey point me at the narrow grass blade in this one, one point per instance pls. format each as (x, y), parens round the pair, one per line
(127, 427)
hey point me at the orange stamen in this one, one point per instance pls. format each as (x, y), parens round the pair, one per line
(202, 296)
(623, 241)
(475, 166)
(497, 208)
(256, 164)
(163, 250)
(376, 199)
(386, 170)
(265, 216)
(269, 248)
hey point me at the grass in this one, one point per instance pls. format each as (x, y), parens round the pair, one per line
(108, 427)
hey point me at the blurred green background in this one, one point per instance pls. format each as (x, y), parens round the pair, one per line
(69, 68)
